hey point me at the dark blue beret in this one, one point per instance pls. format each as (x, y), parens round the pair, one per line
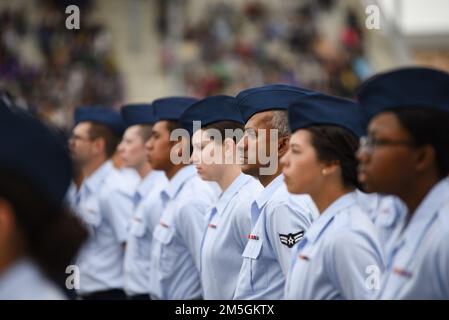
(134, 114)
(269, 97)
(171, 108)
(210, 110)
(31, 150)
(101, 115)
(322, 109)
(405, 88)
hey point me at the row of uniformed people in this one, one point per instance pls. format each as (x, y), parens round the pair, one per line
(404, 158)
(301, 231)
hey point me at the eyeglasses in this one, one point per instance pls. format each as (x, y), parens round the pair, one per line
(76, 137)
(368, 143)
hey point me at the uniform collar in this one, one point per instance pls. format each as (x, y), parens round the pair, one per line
(269, 190)
(229, 193)
(93, 181)
(328, 215)
(391, 210)
(148, 181)
(424, 214)
(175, 184)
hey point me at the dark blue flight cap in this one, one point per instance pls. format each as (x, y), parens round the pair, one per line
(101, 115)
(322, 109)
(171, 108)
(5, 101)
(210, 110)
(405, 88)
(134, 114)
(269, 97)
(30, 150)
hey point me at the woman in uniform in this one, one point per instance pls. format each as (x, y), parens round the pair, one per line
(406, 154)
(341, 250)
(228, 222)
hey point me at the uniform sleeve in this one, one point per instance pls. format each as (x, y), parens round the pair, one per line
(442, 265)
(353, 259)
(151, 210)
(285, 227)
(116, 208)
(241, 222)
(191, 223)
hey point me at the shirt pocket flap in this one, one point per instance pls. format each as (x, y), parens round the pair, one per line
(308, 252)
(137, 228)
(385, 218)
(91, 214)
(253, 249)
(163, 234)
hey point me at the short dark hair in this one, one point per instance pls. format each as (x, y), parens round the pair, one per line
(337, 144)
(223, 126)
(145, 131)
(172, 125)
(98, 130)
(428, 126)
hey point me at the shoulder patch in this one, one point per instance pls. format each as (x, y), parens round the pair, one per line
(291, 239)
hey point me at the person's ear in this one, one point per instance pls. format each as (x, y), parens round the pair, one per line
(425, 158)
(230, 151)
(178, 147)
(229, 144)
(183, 148)
(99, 145)
(283, 145)
(7, 220)
(330, 168)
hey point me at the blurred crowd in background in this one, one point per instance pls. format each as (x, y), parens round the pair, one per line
(75, 68)
(232, 48)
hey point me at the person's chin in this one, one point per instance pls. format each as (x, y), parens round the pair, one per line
(250, 169)
(125, 163)
(155, 165)
(369, 187)
(131, 166)
(365, 181)
(291, 188)
(203, 176)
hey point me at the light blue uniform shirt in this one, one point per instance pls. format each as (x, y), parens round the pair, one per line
(105, 204)
(278, 221)
(337, 255)
(148, 210)
(390, 220)
(388, 214)
(117, 198)
(369, 202)
(225, 238)
(175, 254)
(24, 281)
(418, 264)
(71, 196)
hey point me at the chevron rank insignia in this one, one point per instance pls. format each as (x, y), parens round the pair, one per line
(291, 239)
